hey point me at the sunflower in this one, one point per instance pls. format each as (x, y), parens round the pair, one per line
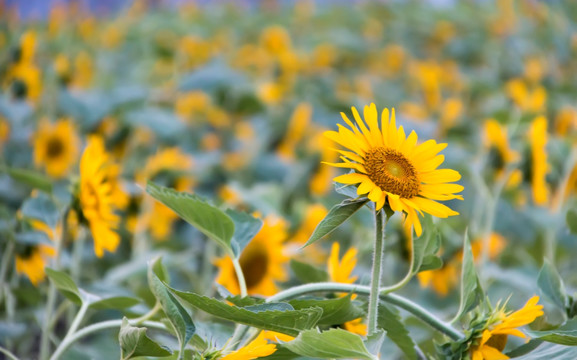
(388, 165)
(494, 338)
(298, 124)
(539, 168)
(262, 261)
(56, 147)
(340, 271)
(32, 262)
(257, 348)
(96, 196)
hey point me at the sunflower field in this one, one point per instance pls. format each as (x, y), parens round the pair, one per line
(288, 180)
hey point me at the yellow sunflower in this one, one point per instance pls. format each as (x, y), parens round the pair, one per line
(390, 166)
(257, 348)
(96, 196)
(262, 261)
(56, 147)
(33, 261)
(494, 338)
(340, 271)
(539, 167)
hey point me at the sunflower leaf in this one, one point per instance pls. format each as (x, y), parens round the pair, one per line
(176, 313)
(135, 343)
(29, 177)
(335, 311)
(331, 344)
(245, 229)
(289, 322)
(562, 337)
(551, 285)
(209, 220)
(389, 319)
(336, 216)
(471, 291)
(41, 207)
(572, 220)
(425, 249)
(65, 285)
(307, 273)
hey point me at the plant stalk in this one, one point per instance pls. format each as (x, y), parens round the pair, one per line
(376, 272)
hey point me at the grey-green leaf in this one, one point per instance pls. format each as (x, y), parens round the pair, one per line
(30, 178)
(335, 311)
(245, 229)
(336, 216)
(331, 344)
(562, 337)
(41, 207)
(135, 343)
(425, 248)
(65, 285)
(176, 313)
(471, 291)
(286, 322)
(208, 219)
(551, 285)
(307, 273)
(389, 319)
(116, 302)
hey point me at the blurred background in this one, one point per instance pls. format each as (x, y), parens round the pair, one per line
(229, 99)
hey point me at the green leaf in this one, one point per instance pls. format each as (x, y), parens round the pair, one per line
(175, 312)
(116, 302)
(244, 301)
(135, 343)
(426, 247)
(245, 229)
(65, 285)
(551, 285)
(550, 351)
(41, 207)
(562, 337)
(335, 311)
(331, 344)
(471, 291)
(270, 307)
(336, 216)
(30, 178)
(389, 319)
(286, 322)
(208, 219)
(307, 273)
(572, 220)
(375, 341)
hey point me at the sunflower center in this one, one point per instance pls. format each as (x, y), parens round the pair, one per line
(497, 341)
(391, 171)
(254, 265)
(54, 147)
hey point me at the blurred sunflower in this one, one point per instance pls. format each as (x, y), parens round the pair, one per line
(257, 348)
(262, 261)
(33, 261)
(501, 324)
(388, 165)
(56, 147)
(340, 271)
(539, 167)
(96, 196)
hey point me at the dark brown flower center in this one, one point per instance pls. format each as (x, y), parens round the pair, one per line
(391, 171)
(497, 341)
(254, 265)
(54, 147)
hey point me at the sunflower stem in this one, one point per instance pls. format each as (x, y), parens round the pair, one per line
(8, 354)
(415, 309)
(52, 294)
(240, 277)
(376, 272)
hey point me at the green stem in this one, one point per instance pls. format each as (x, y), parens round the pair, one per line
(51, 301)
(6, 259)
(111, 324)
(77, 319)
(399, 301)
(239, 276)
(376, 272)
(8, 354)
